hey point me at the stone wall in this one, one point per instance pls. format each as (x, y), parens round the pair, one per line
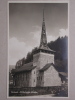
(51, 77)
(33, 79)
(41, 79)
(40, 60)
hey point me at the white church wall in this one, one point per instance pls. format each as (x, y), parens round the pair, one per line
(51, 77)
(33, 79)
(41, 59)
(46, 58)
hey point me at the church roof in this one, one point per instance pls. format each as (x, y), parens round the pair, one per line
(25, 67)
(46, 48)
(46, 66)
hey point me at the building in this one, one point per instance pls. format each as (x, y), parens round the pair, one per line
(10, 79)
(41, 72)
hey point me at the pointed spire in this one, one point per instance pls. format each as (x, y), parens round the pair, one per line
(43, 42)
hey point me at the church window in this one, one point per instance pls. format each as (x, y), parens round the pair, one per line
(26, 76)
(34, 72)
(34, 80)
(41, 77)
(17, 77)
(23, 76)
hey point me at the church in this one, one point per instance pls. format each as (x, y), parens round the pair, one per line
(41, 72)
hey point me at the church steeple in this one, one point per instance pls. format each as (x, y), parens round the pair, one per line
(43, 41)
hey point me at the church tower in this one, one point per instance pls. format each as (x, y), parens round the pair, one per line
(44, 54)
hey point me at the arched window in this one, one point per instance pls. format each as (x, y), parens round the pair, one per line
(34, 80)
(34, 72)
(41, 77)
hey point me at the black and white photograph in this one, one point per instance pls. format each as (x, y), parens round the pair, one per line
(38, 50)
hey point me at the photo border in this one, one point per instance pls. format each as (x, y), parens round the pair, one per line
(4, 50)
(60, 1)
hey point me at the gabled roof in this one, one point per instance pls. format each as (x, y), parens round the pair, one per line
(46, 66)
(25, 67)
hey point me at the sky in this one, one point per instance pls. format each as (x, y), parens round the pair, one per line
(25, 26)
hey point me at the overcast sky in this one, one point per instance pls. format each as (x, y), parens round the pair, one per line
(25, 24)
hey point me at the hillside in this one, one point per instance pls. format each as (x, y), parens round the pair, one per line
(60, 45)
